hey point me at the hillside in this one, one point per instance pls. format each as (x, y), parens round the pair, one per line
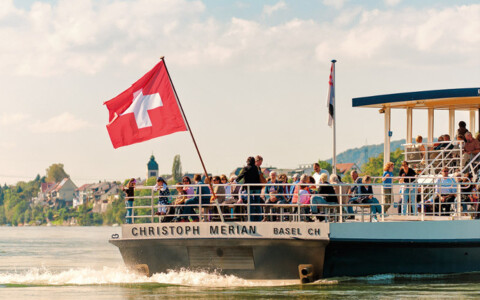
(361, 155)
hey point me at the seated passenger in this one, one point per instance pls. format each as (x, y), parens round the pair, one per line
(273, 195)
(304, 201)
(462, 128)
(304, 179)
(446, 192)
(202, 194)
(179, 201)
(366, 196)
(325, 195)
(420, 147)
(471, 148)
(352, 193)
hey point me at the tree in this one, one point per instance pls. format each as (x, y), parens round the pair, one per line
(56, 173)
(177, 169)
(374, 166)
(325, 166)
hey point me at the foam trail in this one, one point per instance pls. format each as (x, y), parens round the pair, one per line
(122, 275)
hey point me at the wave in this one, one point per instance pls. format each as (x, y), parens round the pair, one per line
(122, 276)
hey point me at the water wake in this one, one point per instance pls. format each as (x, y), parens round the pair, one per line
(122, 275)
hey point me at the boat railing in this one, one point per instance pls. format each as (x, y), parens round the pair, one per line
(430, 158)
(450, 199)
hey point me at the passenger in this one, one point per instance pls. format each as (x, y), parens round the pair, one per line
(304, 179)
(189, 191)
(219, 191)
(273, 195)
(352, 193)
(421, 147)
(164, 195)
(251, 175)
(325, 195)
(471, 148)
(179, 201)
(316, 174)
(462, 128)
(228, 188)
(446, 191)
(408, 197)
(219, 198)
(258, 164)
(295, 181)
(387, 185)
(366, 196)
(468, 192)
(439, 145)
(304, 201)
(285, 187)
(202, 194)
(129, 193)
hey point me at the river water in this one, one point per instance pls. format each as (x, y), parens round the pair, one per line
(79, 263)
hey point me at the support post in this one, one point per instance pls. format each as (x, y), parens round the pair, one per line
(386, 142)
(451, 123)
(409, 124)
(430, 124)
(472, 122)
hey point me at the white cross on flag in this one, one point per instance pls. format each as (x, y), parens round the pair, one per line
(146, 110)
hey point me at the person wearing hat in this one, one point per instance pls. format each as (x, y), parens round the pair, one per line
(164, 195)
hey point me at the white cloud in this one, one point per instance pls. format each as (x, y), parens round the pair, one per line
(78, 36)
(65, 122)
(334, 3)
(7, 145)
(270, 9)
(15, 118)
(392, 2)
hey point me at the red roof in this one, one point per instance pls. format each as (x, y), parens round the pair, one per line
(345, 167)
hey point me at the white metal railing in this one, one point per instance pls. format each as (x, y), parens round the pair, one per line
(408, 201)
(435, 156)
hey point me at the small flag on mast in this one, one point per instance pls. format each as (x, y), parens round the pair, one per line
(331, 95)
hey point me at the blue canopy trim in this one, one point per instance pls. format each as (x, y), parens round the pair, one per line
(416, 96)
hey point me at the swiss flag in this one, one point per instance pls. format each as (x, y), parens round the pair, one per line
(146, 110)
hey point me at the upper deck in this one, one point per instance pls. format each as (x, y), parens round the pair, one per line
(465, 99)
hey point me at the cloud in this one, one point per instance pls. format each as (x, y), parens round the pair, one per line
(392, 2)
(90, 37)
(270, 9)
(15, 118)
(334, 3)
(65, 122)
(7, 145)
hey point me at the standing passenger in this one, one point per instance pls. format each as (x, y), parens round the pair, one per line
(164, 194)
(409, 199)
(250, 174)
(129, 192)
(387, 185)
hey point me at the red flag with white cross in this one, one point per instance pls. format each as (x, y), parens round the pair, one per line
(146, 110)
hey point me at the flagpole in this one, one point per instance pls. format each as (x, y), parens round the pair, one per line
(193, 139)
(334, 160)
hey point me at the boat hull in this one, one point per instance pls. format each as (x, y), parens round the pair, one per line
(245, 258)
(277, 250)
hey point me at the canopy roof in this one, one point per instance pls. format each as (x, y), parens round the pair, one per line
(458, 99)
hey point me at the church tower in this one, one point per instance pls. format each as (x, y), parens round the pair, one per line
(152, 167)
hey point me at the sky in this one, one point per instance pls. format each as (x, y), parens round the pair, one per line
(252, 77)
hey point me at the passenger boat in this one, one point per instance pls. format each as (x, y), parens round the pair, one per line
(417, 241)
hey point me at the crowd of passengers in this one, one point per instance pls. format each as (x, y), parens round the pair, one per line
(312, 193)
(464, 139)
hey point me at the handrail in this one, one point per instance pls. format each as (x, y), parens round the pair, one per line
(342, 211)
